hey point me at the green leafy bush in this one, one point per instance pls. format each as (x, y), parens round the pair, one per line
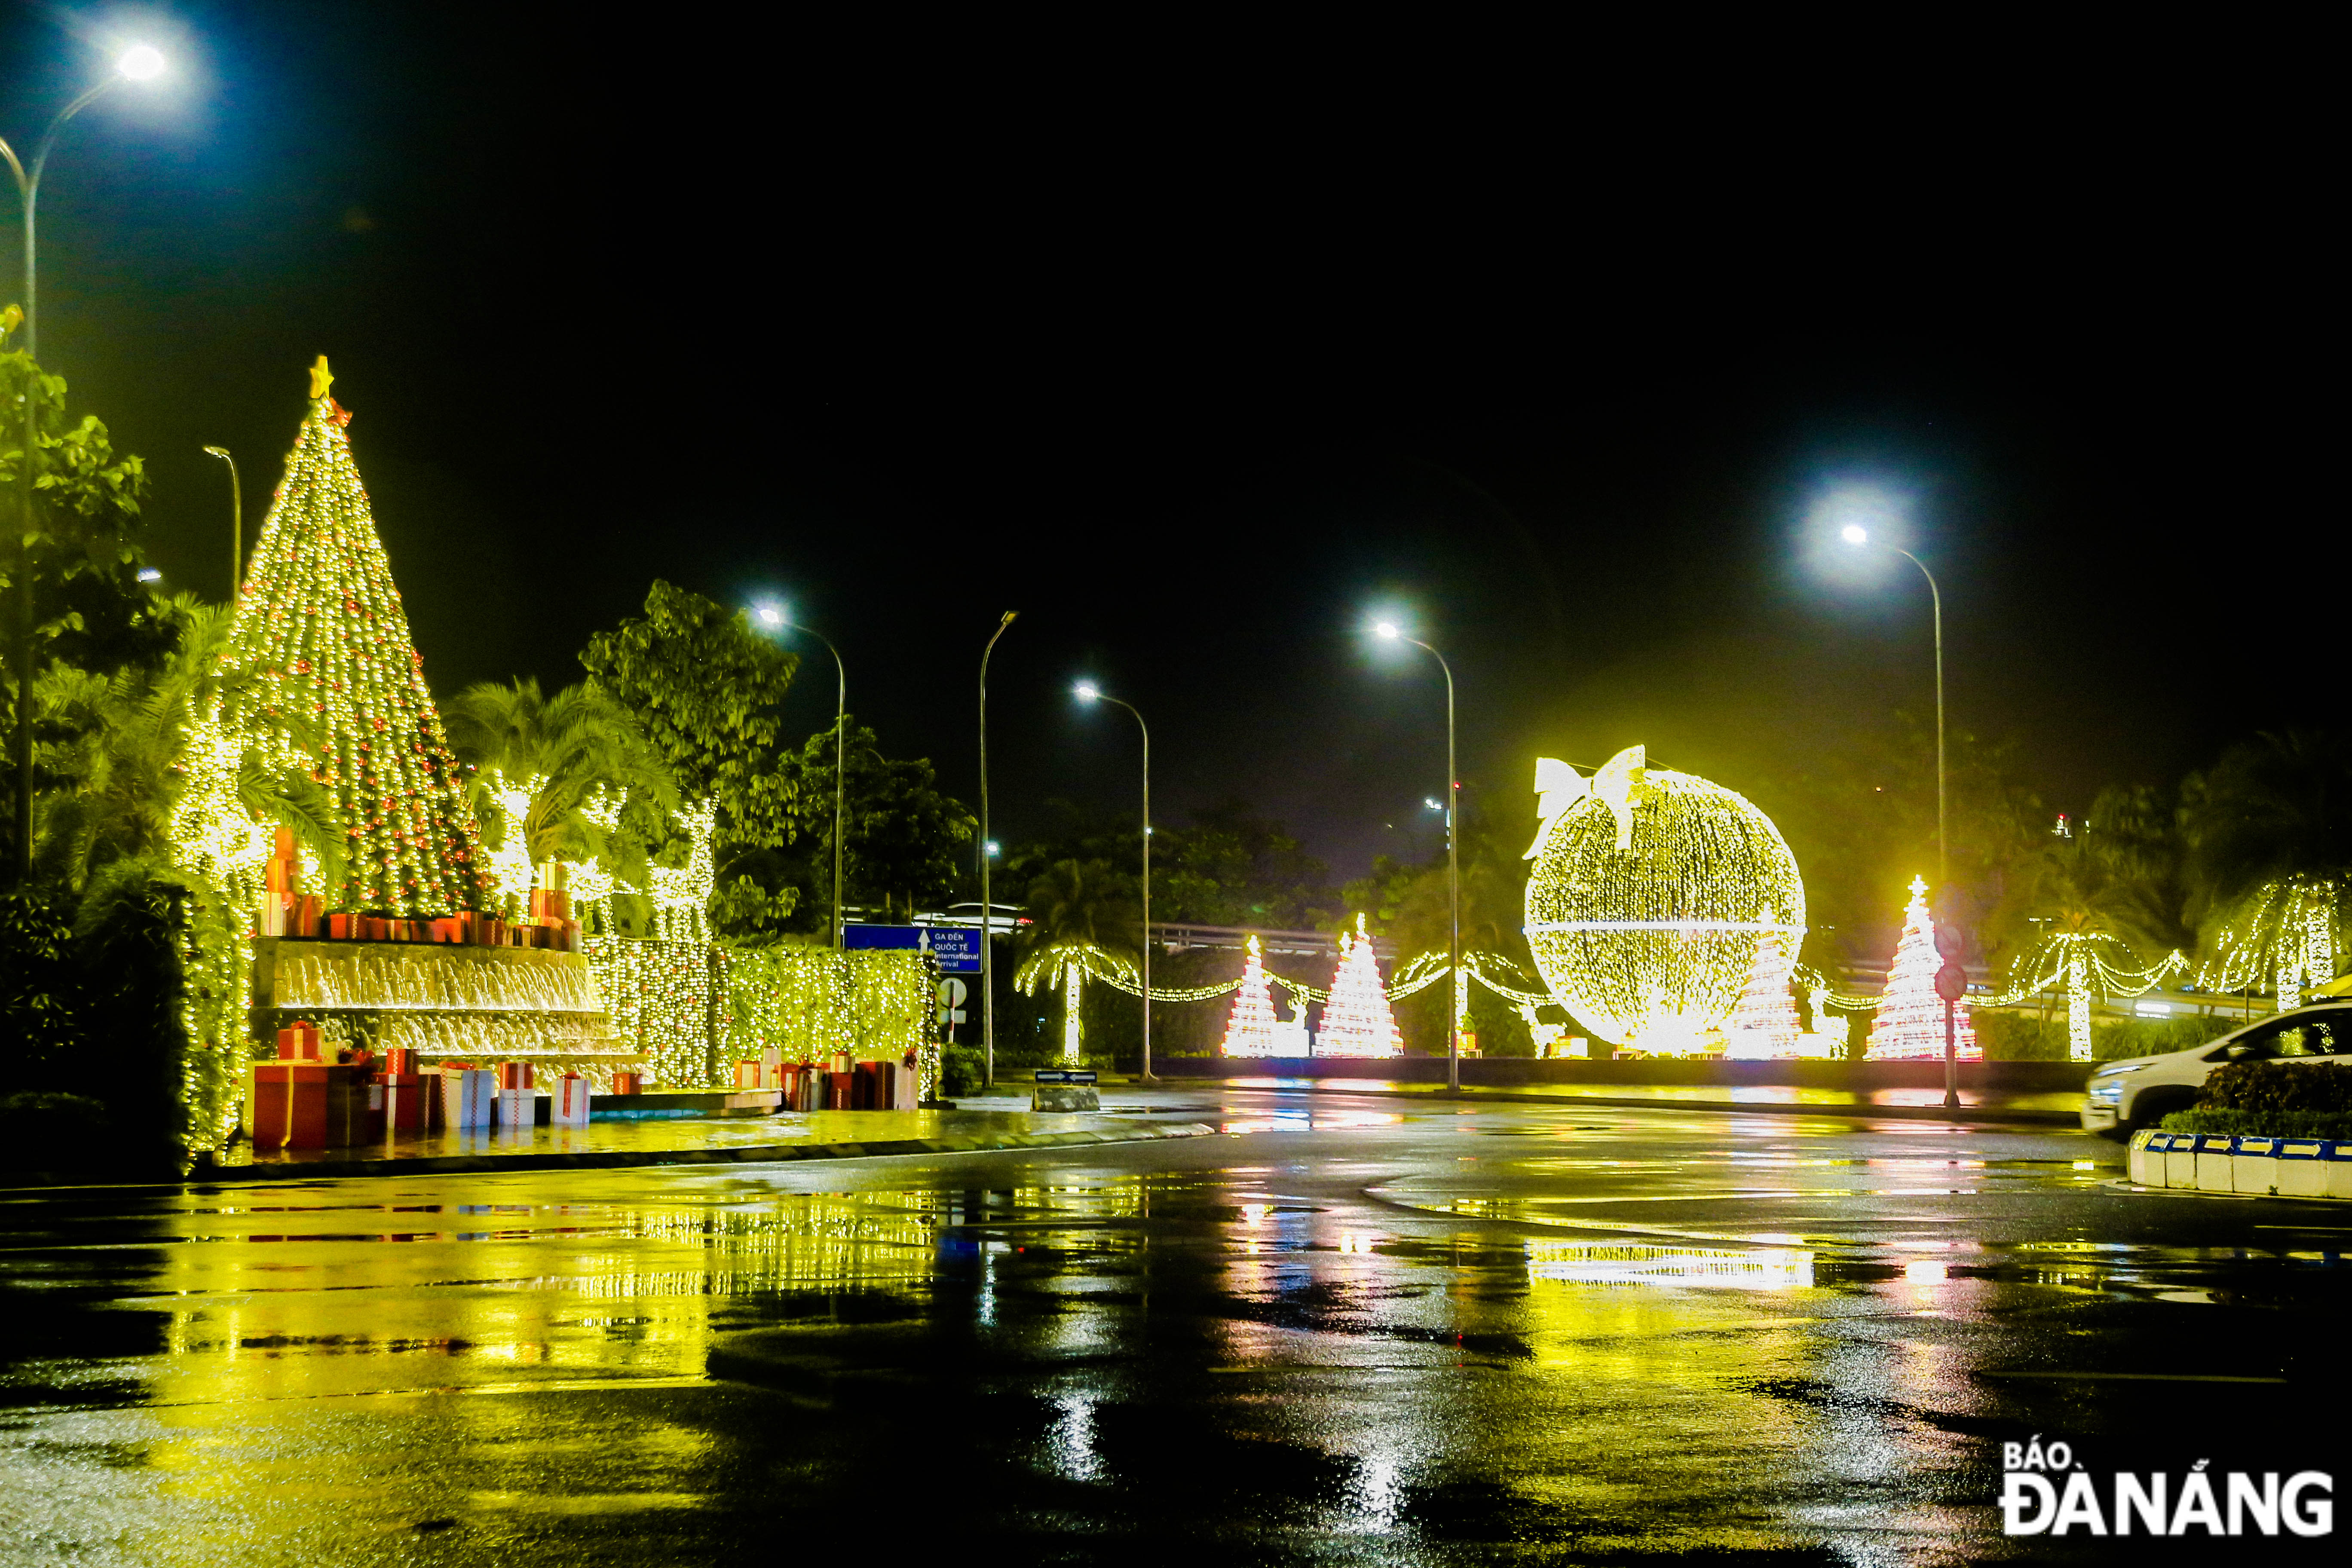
(2008, 1037)
(2334, 1124)
(2155, 1036)
(59, 1133)
(2019, 1037)
(960, 1070)
(2269, 1086)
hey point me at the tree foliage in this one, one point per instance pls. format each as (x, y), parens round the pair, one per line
(579, 743)
(706, 689)
(906, 845)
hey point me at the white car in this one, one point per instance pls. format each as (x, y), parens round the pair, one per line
(2141, 1091)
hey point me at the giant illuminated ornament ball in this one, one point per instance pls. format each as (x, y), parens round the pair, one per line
(1650, 897)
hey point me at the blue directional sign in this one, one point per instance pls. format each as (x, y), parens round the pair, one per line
(957, 948)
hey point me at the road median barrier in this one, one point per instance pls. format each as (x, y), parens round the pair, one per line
(2242, 1164)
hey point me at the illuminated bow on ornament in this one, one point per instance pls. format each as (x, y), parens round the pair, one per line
(1618, 785)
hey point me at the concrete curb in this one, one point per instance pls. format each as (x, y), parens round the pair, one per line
(1970, 1115)
(622, 1159)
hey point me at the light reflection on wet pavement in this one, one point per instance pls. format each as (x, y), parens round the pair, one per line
(1348, 1331)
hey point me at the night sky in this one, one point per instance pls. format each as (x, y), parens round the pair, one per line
(1190, 348)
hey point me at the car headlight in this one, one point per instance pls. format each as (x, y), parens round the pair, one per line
(2106, 1093)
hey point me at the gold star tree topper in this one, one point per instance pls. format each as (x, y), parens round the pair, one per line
(321, 378)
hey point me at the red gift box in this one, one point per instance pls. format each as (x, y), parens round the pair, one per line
(514, 1075)
(308, 1105)
(400, 1059)
(841, 1090)
(299, 1041)
(402, 1101)
(342, 927)
(747, 1075)
(626, 1081)
(551, 903)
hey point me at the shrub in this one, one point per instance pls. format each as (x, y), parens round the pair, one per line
(960, 1070)
(2020, 1037)
(2008, 1037)
(54, 1132)
(2269, 1086)
(2155, 1036)
(2335, 1124)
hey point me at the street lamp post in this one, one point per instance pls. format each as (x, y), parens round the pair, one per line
(138, 63)
(1389, 631)
(1854, 533)
(987, 848)
(1087, 691)
(236, 523)
(776, 615)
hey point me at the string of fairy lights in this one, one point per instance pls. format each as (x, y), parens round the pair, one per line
(324, 676)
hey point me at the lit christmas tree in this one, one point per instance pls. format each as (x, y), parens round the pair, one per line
(1357, 1021)
(1909, 1023)
(1766, 1022)
(334, 685)
(1252, 1031)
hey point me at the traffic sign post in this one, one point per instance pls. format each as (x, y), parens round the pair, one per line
(1951, 985)
(952, 997)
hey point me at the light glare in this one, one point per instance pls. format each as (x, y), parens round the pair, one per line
(771, 615)
(140, 63)
(1087, 691)
(149, 574)
(1855, 534)
(1386, 631)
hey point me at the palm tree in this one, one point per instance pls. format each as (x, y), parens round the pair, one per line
(1083, 918)
(570, 760)
(127, 765)
(2269, 837)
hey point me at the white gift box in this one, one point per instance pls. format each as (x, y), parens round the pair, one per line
(466, 1097)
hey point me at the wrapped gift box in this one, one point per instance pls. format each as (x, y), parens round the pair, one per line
(401, 1102)
(465, 1096)
(299, 1042)
(571, 1101)
(627, 1080)
(344, 926)
(841, 1090)
(514, 1075)
(747, 1075)
(518, 1108)
(308, 1105)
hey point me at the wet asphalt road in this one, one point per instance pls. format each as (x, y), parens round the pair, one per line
(1349, 1330)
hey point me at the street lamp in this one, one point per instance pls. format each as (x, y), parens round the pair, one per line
(987, 854)
(139, 63)
(1858, 537)
(775, 615)
(1389, 631)
(236, 523)
(1087, 691)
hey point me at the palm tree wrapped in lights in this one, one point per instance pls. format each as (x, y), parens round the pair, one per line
(2270, 856)
(1077, 910)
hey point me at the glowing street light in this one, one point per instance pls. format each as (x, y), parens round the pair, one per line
(1389, 631)
(1876, 505)
(139, 63)
(775, 615)
(987, 858)
(235, 522)
(1088, 692)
